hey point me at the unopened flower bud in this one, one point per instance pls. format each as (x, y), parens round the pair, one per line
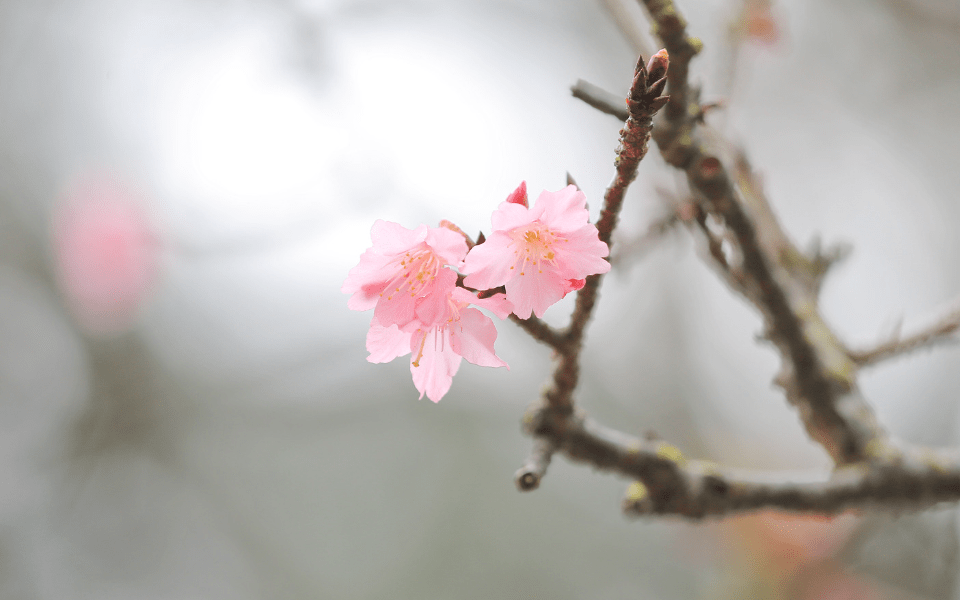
(657, 65)
(519, 195)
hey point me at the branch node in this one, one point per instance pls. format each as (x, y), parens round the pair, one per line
(636, 501)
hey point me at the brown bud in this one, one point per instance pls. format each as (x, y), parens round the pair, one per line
(656, 88)
(709, 167)
(659, 103)
(657, 66)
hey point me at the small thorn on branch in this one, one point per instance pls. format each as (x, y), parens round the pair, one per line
(823, 259)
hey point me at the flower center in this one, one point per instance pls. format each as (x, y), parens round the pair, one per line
(438, 330)
(534, 245)
(417, 269)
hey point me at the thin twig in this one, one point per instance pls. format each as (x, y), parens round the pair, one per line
(529, 475)
(655, 232)
(643, 101)
(599, 98)
(670, 26)
(629, 26)
(943, 330)
(540, 331)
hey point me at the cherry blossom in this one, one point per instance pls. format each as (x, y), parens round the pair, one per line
(540, 254)
(404, 275)
(107, 253)
(437, 349)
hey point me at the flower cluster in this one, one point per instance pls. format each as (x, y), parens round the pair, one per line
(409, 279)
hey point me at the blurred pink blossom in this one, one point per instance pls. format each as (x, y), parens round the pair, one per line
(757, 23)
(106, 252)
(540, 254)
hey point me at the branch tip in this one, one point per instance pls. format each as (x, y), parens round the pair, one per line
(526, 481)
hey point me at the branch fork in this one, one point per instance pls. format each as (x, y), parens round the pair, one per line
(752, 253)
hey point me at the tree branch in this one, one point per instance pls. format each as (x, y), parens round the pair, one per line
(655, 232)
(643, 101)
(817, 374)
(941, 331)
(599, 98)
(529, 475)
(757, 259)
(904, 478)
(540, 331)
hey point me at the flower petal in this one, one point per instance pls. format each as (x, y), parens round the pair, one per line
(386, 343)
(582, 254)
(448, 245)
(536, 292)
(433, 308)
(437, 364)
(497, 303)
(562, 211)
(489, 264)
(519, 195)
(392, 238)
(366, 280)
(510, 215)
(473, 336)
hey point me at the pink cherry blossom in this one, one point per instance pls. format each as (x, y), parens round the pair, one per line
(404, 276)
(107, 253)
(540, 253)
(437, 349)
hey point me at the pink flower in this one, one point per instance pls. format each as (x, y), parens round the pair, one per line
(404, 276)
(540, 254)
(106, 251)
(438, 348)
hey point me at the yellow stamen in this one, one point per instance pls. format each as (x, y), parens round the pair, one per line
(416, 362)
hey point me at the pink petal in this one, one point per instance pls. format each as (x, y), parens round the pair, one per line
(582, 254)
(428, 305)
(497, 304)
(519, 195)
(398, 309)
(536, 293)
(510, 216)
(438, 363)
(378, 278)
(366, 280)
(448, 245)
(473, 336)
(488, 265)
(392, 238)
(574, 285)
(562, 211)
(434, 306)
(386, 343)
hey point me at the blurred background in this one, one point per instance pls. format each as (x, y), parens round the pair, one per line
(186, 411)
